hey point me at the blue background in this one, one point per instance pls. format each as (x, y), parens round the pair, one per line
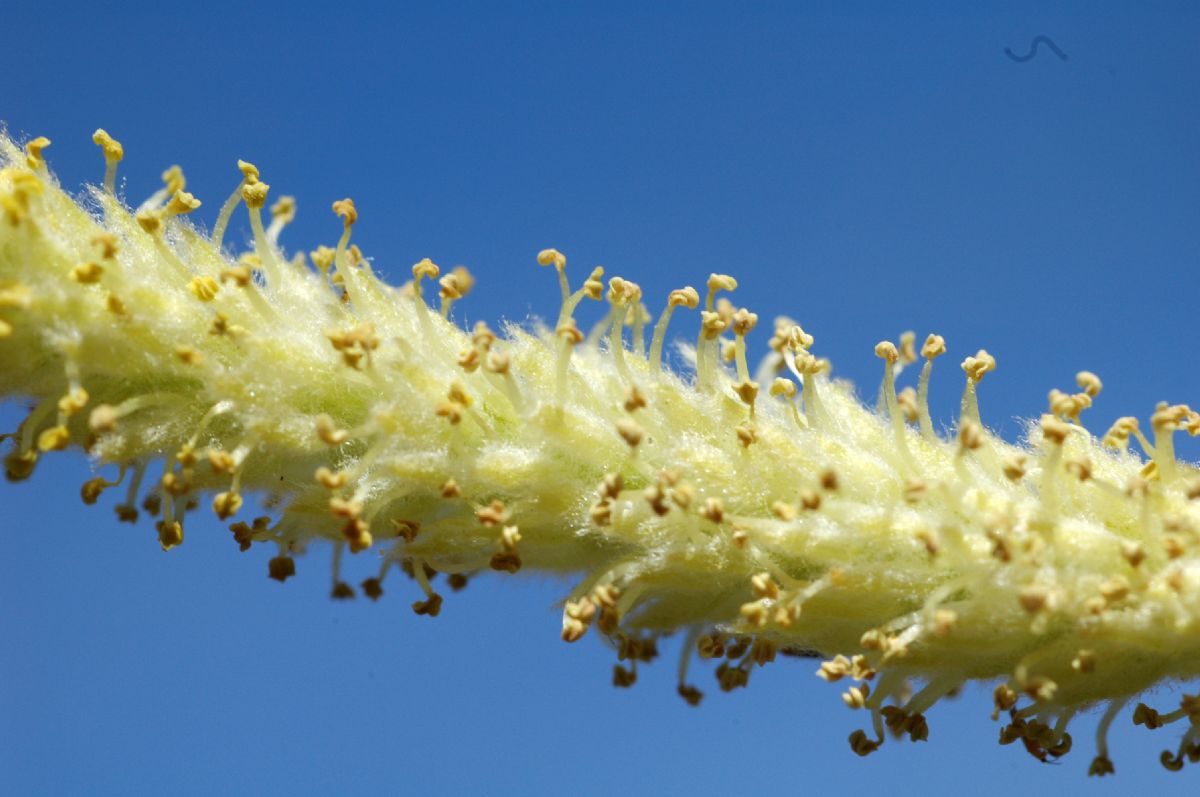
(863, 170)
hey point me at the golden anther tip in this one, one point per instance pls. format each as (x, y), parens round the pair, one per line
(170, 534)
(906, 399)
(783, 387)
(87, 273)
(174, 179)
(1054, 429)
(33, 152)
(630, 432)
(593, 288)
(747, 390)
(622, 291)
(344, 209)
(284, 208)
(982, 363)
(1090, 383)
(113, 151)
(149, 220)
(744, 322)
(425, 268)
(1014, 467)
(1166, 418)
(464, 277)
(255, 194)
(684, 297)
(797, 338)
(552, 257)
(182, 202)
(1033, 598)
(55, 438)
(203, 288)
(712, 324)
(568, 331)
(908, 347)
(449, 287)
(886, 350)
(107, 243)
(226, 505)
(721, 282)
(934, 346)
(249, 172)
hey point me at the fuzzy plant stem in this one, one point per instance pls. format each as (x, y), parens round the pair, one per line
(795, 520)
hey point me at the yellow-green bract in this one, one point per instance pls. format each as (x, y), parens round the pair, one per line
(756, 513)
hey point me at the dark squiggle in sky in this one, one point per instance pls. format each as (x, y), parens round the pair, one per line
(1033, 48)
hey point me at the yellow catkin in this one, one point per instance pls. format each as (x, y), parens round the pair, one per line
(1065, 570)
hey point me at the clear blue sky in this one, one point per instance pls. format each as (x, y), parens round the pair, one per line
(863, 170)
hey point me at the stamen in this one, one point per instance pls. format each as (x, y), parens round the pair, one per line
(113, 153)
(33, 153)
(711, 328)
(283, 213)
(249, 177)
(975, 368)
(255, 196)
(1165, 422)
(173, 181)
(454, 286)
(686, 297)
(805, 367)
(553, 257)
(934, 347)
(886, 351)
(620, 294)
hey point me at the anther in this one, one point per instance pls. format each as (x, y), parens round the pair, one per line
(507, 559)
(1089, 382)
(908, 347)
(87, 273)
(1069, 406)
(106, 242)
(746, 434)
(634, 399)
(283, 213)
(630, 432)
(1054, 430)
(204, 288)
(906, 400)
(713, 510)
(226, 504)
(328, 431)
(970, 436)
(170, 534)
(33, 152)
(454, 286)
(181, 203)
(1014, 466)
(281, 568)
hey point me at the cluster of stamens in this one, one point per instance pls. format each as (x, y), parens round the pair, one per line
(761, 512)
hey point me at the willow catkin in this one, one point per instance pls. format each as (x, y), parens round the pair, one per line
(759, 514)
